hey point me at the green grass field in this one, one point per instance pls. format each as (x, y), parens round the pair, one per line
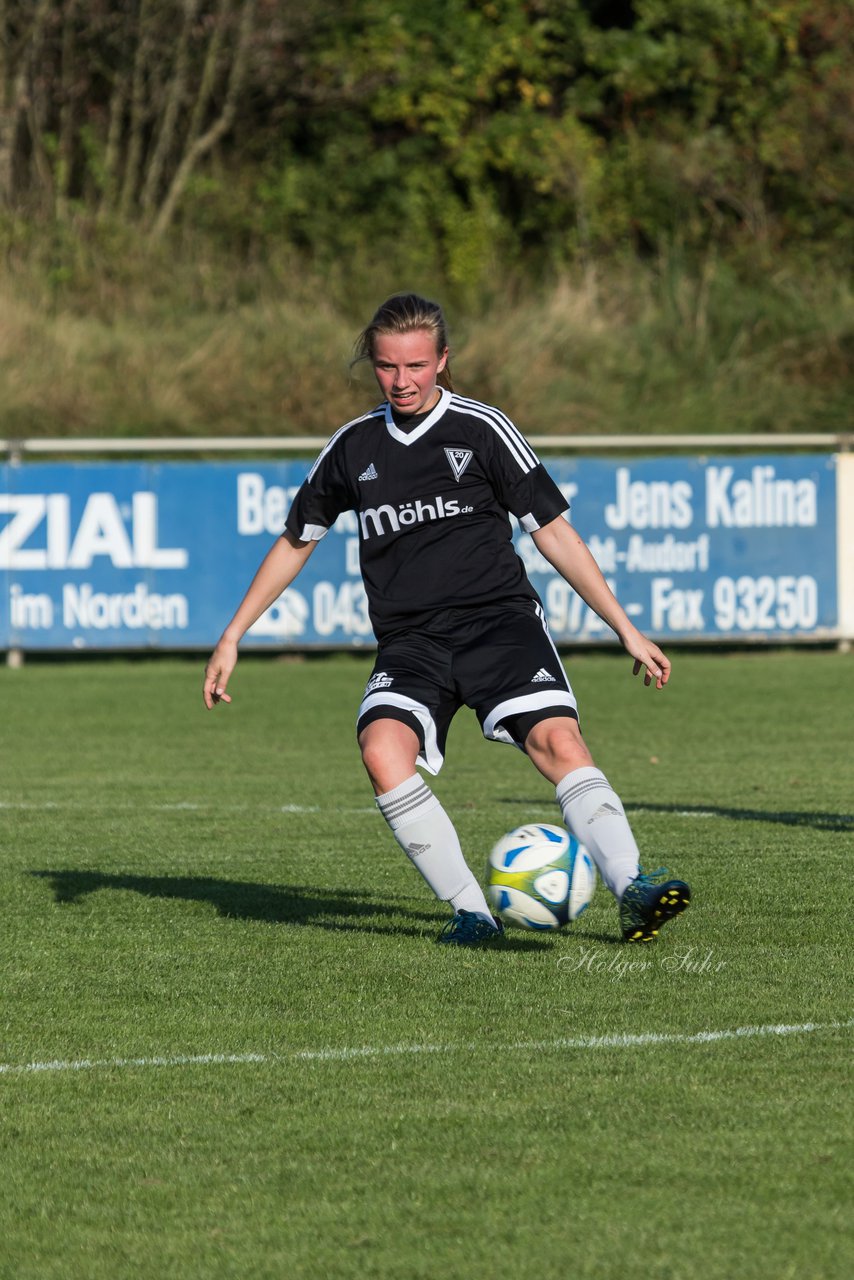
(230, 1047)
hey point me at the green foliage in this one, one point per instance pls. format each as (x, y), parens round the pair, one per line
(554, 131)
(745, 106)
(648, 203)
(465, 139)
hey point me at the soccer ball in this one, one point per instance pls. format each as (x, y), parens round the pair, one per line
(539, 877)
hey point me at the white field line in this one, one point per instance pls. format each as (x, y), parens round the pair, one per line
(48, 806)
(560, 1043)
(677, 813)
(192, 806)
(189, 806)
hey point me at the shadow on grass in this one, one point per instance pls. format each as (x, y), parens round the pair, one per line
(336, 909)
(821, 821)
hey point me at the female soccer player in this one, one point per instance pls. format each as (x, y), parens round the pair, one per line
(433, 477)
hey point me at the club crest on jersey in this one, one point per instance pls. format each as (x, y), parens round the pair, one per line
(459, 460)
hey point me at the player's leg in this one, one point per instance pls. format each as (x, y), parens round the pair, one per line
(594, 814)
(416, 817)
(540, 716)
(591, 809)
(394, 736)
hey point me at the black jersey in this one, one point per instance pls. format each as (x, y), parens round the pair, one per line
(432, 504)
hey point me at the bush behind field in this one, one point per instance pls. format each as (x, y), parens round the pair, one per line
(104, 334)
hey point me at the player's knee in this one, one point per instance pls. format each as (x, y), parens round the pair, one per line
(389, 751)
(373, 749)
(557, 745)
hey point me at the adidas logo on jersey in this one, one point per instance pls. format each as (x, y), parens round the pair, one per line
(543, 677)
(370, 473)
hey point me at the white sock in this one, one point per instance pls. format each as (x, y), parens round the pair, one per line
(427, 836)
(592, 812)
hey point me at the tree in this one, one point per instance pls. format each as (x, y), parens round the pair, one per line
(105, 95)
(455, 132)
(22, 36)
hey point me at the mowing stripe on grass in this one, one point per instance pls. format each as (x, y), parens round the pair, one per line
(616, 1041)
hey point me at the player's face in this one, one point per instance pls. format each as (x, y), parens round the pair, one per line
(406, 366)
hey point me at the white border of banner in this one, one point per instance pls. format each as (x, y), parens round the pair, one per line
(845, 546)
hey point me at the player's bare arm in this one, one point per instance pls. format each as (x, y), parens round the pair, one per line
(568, 553)
(277, 571)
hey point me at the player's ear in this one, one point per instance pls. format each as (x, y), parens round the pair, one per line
(443, 360)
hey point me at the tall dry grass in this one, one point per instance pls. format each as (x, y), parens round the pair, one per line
(121, 341)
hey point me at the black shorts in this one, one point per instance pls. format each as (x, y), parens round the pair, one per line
(499, 660)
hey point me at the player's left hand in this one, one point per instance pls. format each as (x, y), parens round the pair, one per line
(217, 672)
(650, 659)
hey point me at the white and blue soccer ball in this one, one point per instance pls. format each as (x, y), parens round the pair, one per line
(539, 877)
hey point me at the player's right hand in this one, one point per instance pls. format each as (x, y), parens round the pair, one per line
(217, 672)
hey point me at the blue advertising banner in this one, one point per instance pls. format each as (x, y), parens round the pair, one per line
(157, 555)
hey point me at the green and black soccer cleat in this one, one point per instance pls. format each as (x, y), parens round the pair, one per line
(648, 903)
(468, 929)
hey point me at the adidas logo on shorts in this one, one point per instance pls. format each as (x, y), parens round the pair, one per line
(543, 677)
(370, 473)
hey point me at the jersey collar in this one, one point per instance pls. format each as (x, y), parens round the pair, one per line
(409, 437)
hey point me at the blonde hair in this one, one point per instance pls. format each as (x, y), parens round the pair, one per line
(406, 313)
